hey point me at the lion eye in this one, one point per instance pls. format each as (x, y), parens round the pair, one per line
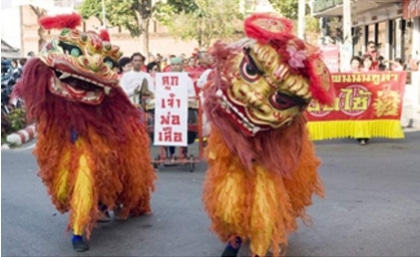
(282, 101)
(111, 63)
(75, 52)
(249, 71)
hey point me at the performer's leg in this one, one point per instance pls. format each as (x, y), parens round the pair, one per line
(105, 217)
(184, 151)
(79, 244)
(233, 246)
(171, 151)
(81, 204)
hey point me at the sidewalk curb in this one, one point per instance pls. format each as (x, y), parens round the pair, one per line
(22, 136)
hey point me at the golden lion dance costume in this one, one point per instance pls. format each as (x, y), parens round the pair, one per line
(92, 149)
(262, 164)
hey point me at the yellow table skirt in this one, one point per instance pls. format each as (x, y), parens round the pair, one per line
(322, 130)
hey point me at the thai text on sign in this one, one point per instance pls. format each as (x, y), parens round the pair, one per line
(366, 105)
(171, 109)
(330, 55)
(363, 96)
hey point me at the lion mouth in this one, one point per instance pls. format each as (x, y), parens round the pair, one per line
(77, 88)
(250, 128)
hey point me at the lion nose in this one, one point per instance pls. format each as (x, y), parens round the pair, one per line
(96, 62)
(254, 99)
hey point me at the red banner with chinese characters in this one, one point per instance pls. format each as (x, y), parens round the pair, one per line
(366, 105)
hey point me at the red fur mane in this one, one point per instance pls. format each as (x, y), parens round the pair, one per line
(108, 118)
(61, 21)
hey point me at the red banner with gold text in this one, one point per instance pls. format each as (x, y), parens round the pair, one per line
(367, 104)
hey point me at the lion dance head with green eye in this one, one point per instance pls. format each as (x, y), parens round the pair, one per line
(262, 166)
(92, 147)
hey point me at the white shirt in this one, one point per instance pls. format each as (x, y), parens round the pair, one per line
(132, 81)
(203, 78)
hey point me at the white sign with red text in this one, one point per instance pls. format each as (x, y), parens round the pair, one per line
(331, 57)
(171, 109)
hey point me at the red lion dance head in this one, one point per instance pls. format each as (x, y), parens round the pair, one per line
(260, 88)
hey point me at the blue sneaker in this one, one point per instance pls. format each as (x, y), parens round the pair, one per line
(79, 244)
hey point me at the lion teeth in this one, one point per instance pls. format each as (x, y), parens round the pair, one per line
(65, 75)
(107, 90)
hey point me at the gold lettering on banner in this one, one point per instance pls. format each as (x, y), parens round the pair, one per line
(355, 99)
(385, 77)
(335, 107)
(366, 77)
(395, 76)
(336, 78)
(347, 99)
(376, 79)
(347, 78)
(357, 77)
(360, 102)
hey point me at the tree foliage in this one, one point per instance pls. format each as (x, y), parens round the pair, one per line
(290, 10)
(133, 15)
(125, 13)
(202, 20)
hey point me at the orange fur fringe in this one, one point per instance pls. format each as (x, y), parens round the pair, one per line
(260, 206)
(122, 173)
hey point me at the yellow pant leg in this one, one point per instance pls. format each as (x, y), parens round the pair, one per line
(82, 197)
(61, 181)
(271, 213)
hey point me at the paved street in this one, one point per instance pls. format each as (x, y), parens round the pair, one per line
(372, 208)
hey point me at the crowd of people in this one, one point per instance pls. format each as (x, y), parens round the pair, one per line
(373, 61)
(137, 78)
(137, 73)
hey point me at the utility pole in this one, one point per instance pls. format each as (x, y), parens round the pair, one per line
(301, 18)
(103, 13)
(346, 50)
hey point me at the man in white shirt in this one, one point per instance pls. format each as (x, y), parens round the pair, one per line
(136, 81)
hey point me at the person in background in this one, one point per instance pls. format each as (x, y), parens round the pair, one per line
(135, 82)
(150, 58)
(204, 62)
(367, 63)
(397, 65)
(152, 68)
(372, 51)
(356, 64)
(168, 67)
(382, 64)
(158, 60)
(124, 65)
